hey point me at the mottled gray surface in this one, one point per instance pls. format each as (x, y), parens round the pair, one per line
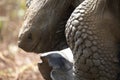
(61, 63)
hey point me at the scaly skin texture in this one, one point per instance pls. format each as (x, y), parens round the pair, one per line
(91, 34)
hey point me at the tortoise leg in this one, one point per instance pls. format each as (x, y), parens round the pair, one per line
(89, 32)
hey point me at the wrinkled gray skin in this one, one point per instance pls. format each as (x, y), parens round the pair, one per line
(92, 33)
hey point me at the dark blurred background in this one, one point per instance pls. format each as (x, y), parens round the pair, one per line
(15, 64)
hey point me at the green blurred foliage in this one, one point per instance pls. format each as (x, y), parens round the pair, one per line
(11, 17)
(1, 24)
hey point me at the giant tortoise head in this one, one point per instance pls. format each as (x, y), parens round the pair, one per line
(44, 24)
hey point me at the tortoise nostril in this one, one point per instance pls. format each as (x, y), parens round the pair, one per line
(30, 36)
